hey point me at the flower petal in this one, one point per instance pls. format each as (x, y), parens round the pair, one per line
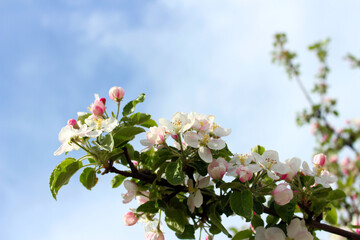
(192, 139)
(198, 199)
(205, 154)
(216, 144)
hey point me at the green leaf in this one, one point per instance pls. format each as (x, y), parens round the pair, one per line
(258, 149)
(62, 174)
(125, 133)
(331, 215)
(175, 225)
(148, 207)
(88, 178)
(174, 173)
(189, 233)
(257, 221)
(286, 212)
(130, 106)
(83, 117)
(107, 143)
(232, 185)
(149, 123)
(243, 235)
(200, 166)
(242, 203)
(336, 195)
(117, 181)
(216, 220)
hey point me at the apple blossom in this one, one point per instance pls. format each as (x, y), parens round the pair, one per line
(98, 107)
(298, 231)
(319, 159)
(179, 123)
(68, 134)
(201, 122)
(247, 160)
(293, 168)
(269, 161)
(217, 168)
(154, 235)
(103, 100)
(220, 131)
(321, 175)
(209, 237)
(204, 142)
(116, 94)
(73, 123)
(156, 136)
(282, 195)
(132, 189)
(195, 198)
(244, 173)
(272, 233)
(130, 218)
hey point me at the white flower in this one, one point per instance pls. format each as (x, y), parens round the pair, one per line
(68, 133)
(155, 136)
(293, 167)
(204, 142)
(200, 122)
(103, 125)
(196, 199)
(269, 161)
(220, 131)
(322, 176)
(178, 124)
(131, 188)
(246, 160)
(298, 231)
(272, 233)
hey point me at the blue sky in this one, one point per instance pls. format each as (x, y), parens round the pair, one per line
(207, 56)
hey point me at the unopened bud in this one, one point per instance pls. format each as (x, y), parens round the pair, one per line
(73, 123)
(103, 100)
(116, 94)
(319, 159)
(130, 218)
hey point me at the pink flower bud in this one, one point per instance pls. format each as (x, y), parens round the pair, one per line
(136, 163)
(116, 94)
(217, 168)
(244, 173)
(130, 218)
(158, 235)
(98, 108)
(209, 237)
(325, 137)
(73, 123)
(319, 159)
(103, 100)
(282, 195)
(175, 137)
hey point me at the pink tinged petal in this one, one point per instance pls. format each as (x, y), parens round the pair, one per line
(190, 203)
(282, 195)
(130, 186)
(146, 143)
(203, 183)
(216, 144)
(255, 167)
(260, 233)
(274, 233)
(167, 125)
(205, 154)
(192, 139)
(198, 199)
(306, 169)
(271, 154)
(272, 175)
(128, 197)
(280, 168)
(130, 219)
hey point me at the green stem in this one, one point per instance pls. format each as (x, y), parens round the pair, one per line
(118, 109)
